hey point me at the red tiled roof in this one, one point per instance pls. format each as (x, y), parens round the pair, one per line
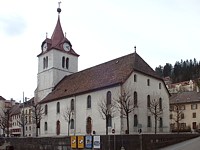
(111, 73)
(185, 97)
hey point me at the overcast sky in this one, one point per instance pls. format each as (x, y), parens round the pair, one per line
(164, 31)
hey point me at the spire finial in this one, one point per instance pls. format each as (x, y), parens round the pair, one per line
(59, 9)
(46, 34)
(65, 34)
(135, 48)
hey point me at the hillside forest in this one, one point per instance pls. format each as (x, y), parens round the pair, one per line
(181, 71)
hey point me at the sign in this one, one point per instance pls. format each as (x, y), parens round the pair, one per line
(80, 141)
(73, 141)
(96, 142)
(113, 131)
(88, 141)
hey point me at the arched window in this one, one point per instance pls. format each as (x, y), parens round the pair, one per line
(160, 103)
(58, 127)
(135, 99)
(58, 107)
(72, 124)
(148, 82)
(148, 101)
(67, 63)
(63, 62)
(89, 101)
(161, 123)
(72, 104)
(135, 78)
(44, 61)
(135, 121)
(109, 121)
(108, 98)
(149, 121)
(46, 110)
(159, 85)
(45, 126)
(89, 125)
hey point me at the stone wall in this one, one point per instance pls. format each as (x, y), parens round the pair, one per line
(112, 142)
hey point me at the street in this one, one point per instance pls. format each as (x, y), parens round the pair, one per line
(193, 144)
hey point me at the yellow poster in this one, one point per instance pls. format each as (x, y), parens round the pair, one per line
(73, 141)
(80, 141)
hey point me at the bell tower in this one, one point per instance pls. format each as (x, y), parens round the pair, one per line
(56, 60)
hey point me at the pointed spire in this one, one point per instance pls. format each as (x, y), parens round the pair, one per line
(57, 35)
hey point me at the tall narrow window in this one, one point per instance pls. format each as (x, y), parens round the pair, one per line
(135, 99)
(89, 125)
(160, 103)
(135, 78)
(43, 63)
(46, 110)
(67, 63)
(72, 104)
(108, 98)
(135, 121)
(72, 124)
(45, 126)
(47, 62)
(89, 101)
(159, 85)
(149, 121)
(109, 121)
(58, 107)
(58, 127)
(63, 62)
(161, 123)
(148, 82)
(148, 101)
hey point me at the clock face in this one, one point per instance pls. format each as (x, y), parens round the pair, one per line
(66, 46)
(44, 48)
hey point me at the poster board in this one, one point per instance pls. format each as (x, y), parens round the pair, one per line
(88, 141)
(96, 142)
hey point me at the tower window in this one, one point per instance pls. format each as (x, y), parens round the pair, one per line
(135, 121)
(72, 124)
(135, 78)
(63, 62)
(67, 63)
(148, 101)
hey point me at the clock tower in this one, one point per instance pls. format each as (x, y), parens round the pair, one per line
(56, 60)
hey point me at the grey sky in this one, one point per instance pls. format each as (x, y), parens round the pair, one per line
(163, 31)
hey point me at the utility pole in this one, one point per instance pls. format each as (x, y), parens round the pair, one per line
(23, 118)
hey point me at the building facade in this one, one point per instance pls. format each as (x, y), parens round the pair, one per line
(61, 90)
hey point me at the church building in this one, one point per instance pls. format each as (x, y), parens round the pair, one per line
(62, 89)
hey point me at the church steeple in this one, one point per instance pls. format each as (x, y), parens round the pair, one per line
(56, 60)
(58, 40)
(57, 36)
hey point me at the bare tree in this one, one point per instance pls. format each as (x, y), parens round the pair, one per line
(177, 115)
(68, 116)
(37, 113)
(23, 121)
(5, 117)
(107, 111)
(125, 104)
(155, 108)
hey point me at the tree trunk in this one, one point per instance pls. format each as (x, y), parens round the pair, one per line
(106, 125)
(155, 124)
(127, 121)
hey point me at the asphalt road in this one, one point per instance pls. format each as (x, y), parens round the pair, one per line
(193, 144)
